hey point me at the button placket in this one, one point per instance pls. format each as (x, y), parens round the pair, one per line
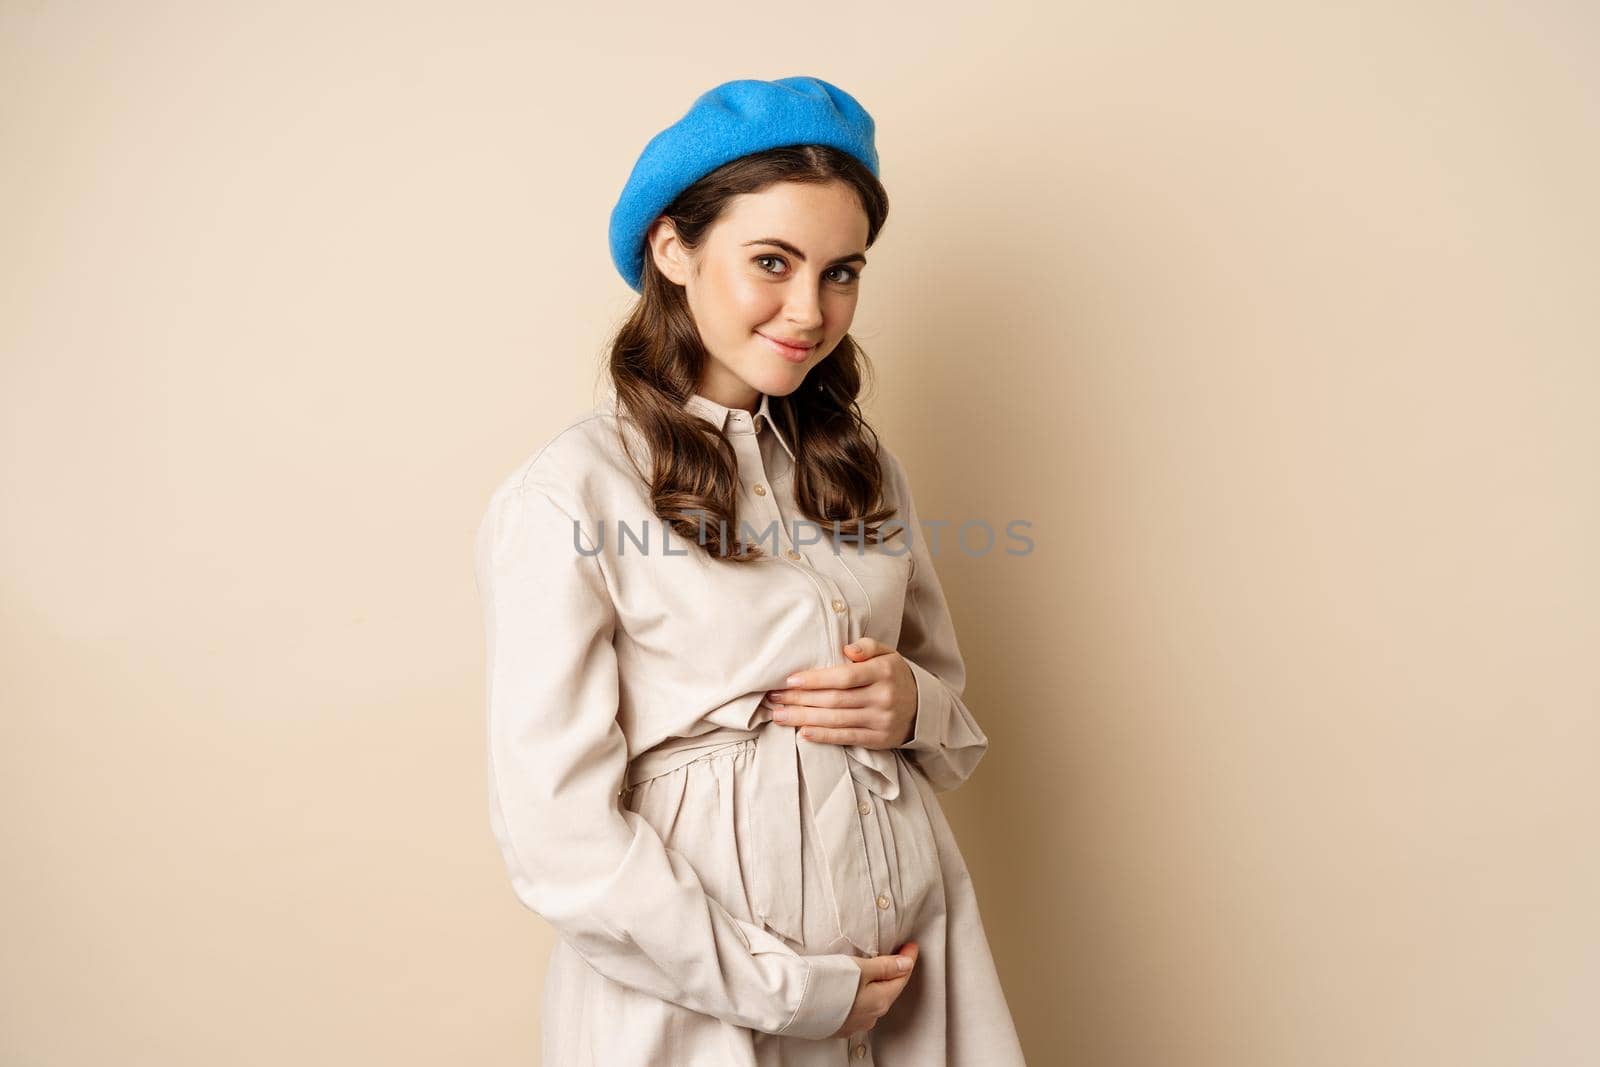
(873, 832)
(752, 467)
(747, 447)
(837, 623)
(836, 615)
(884, 902)
(754, 471)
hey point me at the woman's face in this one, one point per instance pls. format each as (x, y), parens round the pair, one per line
(779, 265)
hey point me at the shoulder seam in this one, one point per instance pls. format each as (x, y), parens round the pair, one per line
(530, 464)
(592, 554)
(593, 551)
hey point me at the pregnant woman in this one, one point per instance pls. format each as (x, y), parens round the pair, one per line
(724, 687)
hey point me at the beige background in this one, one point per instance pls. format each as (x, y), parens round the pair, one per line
(1276, 320)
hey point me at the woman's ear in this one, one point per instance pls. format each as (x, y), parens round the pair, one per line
(671, 258)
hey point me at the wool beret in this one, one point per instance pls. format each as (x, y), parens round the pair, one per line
(734, 119)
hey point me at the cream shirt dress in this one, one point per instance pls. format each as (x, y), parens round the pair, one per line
(709, 871)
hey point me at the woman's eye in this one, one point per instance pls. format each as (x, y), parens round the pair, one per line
(850, 273)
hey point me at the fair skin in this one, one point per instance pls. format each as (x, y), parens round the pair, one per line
(784, 264)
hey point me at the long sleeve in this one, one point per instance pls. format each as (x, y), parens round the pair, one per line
(600, 874)
(947, 742)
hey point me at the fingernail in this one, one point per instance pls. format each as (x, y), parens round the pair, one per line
(793, 679)
(780, 715)
(903, 963)
(852, 648)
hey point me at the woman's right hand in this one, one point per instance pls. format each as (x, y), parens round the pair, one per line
(882, 981)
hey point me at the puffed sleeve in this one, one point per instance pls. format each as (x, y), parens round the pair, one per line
(947, 742)
(597, 872)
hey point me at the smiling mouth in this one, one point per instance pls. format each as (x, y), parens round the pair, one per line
(790, 344)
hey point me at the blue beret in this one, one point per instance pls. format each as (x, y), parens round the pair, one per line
(735, 119)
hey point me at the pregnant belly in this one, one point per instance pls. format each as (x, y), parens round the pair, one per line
(864, 876)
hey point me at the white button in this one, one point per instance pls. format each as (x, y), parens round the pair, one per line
(858, 1052)
(760, 489)
(864, 807)
(791, 553)
(838, 605)
(883, 900)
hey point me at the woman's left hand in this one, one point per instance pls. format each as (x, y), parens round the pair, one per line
(871, 701)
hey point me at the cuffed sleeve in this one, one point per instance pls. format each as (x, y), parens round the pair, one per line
(633, 909)
(947, 742)
(830, 993)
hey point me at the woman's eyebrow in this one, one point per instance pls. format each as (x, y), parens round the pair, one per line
(856, 257)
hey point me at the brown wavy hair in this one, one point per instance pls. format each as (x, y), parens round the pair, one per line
(657, 358)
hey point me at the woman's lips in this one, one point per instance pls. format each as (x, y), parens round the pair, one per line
(788, 352)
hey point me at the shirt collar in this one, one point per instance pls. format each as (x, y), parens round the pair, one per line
(717, 414)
